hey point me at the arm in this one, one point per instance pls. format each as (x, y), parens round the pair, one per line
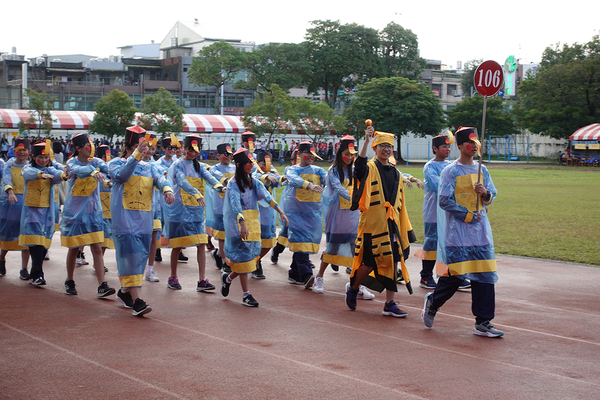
(334, 180)
(447, 201)
(121, 172)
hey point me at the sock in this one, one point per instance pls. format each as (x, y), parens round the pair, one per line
(228, 279)
(149, 269)
(246, 294)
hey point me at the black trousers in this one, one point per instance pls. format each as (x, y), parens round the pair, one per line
(427, 268)
(483, 297)
(37, 260)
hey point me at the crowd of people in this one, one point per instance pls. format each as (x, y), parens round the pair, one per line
(136, 204)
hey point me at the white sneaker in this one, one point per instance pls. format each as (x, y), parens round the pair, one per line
(151, 277)
(83, 261)
(364, 294)
(78, 262)
(318, 288)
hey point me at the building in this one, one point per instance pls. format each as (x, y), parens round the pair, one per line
(445, 84)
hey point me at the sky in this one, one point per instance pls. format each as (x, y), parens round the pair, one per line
(447, 31)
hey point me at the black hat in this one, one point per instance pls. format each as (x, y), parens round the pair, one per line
(133, 134)
(80, 140)
(224, 148)
(261, 156)
(246, 136)
(41, 148)
(102, 150)
(307, 147)
(194, 141)
(347, 142)
(242, 156)
(465, 134)
(21, 142)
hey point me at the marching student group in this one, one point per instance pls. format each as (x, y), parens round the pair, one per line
(136, 205)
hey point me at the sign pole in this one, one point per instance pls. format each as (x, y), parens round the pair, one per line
(481, 150)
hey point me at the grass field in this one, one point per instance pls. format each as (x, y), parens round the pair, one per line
(542, 210)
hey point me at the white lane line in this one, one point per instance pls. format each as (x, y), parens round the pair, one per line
(95, 363)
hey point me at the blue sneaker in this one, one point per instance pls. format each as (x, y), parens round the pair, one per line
(391, 309)
(428, 283)
(351, 298)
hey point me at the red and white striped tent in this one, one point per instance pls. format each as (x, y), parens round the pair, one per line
(590, 132)
(81, 120)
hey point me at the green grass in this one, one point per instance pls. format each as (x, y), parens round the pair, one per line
(542, 210)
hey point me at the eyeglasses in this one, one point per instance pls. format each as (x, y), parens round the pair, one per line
(385, 146)
(171, 147)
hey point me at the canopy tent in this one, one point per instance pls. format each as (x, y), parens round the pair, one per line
(590, 132)
(81, 120)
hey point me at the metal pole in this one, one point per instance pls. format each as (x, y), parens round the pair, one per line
(406, 153)
(482, 136)
(428, 150)
(527, 149)
(508, 150)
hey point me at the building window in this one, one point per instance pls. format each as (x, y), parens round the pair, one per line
(452, 90)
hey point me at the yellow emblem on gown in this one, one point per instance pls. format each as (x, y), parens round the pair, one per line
(105, 200)
(186, 198)
(137, 193)
(464, 192)
(38, 193)
(84, 187)
(345, 204)
(309, 196)
(17, 179)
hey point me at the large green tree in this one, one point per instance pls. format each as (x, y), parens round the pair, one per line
(565, 94)
(396, 105)
(498, 118)
(341, 55)
(40, 118)
(284, 64)
(216, 65)
(400, 52)
(316, 119)
(161, 113)
(114, 113)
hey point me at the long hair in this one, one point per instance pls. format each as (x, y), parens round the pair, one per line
(195, 160)
(338, 163)
(243, 179)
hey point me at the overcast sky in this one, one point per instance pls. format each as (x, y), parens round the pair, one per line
(447, 30)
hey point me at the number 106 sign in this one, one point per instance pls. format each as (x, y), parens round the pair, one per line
(488, 78)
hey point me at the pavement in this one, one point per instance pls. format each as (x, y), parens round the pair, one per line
(297, 343)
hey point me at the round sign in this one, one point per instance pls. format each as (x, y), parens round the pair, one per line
(488, 78)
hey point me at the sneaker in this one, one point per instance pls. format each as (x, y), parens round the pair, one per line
(47, 256)
(173, 283)
(38, 281)
(104, 290)
(486, 329)
(210, 246)
(105, 270)
(348, 270)
(157, 255)
(203, 285)
(225, 285)
(140, 308)
(295, 281)
(249, 301)
(218, 260)
(226, 268)
(318, 288)
(182, 257)
(392, 310)
(125, 298)
(465, 285)
(309, 282)
(151, 277)
(2, 267)
(70, 287)
(428, 313)
(364, 294)
(311, 264)
(258, 272)
(334, 267)
(78, 261)
(274, 257)
(400, 278)
(82, 259)
(428, 283)
(23, 274)
(351, 297)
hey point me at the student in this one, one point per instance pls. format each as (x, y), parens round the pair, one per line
(301, 200)
(11, 205)
(242, 224)
(82, 218)
(132, 216)
(37, 218)
(268, 217)
(103, 152)
(384, 231)
(214, 203)
(156, 209)
(184, 218)
(341, 223)
(465, 243)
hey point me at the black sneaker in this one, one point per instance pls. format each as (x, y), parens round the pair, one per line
(158, 255)
(140, 308)
(23, 274)
(210, 246)
(274, 257)
(258, 272)
(3, 267)
(218, 260)
(309, 282)
(226, 268)
(334, 267)
(225, 285)
(311, 264)
(38, 281)
(70, 287)
(182, 257)
(249, 301)
(125, 298)
(104, 290)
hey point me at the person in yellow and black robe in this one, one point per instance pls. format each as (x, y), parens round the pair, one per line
(384, 230)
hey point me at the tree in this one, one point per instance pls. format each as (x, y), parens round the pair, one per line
(466, 82)
(340, 55)
(114, 113)
(396, 105)
(565, 94)
(40, 105)
(216, 65)
(316, 119)
(400, 52)
(161, 113)
(283, 64)
(469, 112)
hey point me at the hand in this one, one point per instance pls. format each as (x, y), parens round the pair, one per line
(169, 198)
(419, 183)
(284, 218)
(476, 218)
(12, 199)
(100, 177)
(284, 178)
(202, 202)
(244, 230)
(47, 176)
(272, 179)
(143, 146)
(480, 189)
(109, 184)
(409, 184)
(369, 134)
(314, 188)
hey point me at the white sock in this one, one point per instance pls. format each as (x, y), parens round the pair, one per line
(149, 269)
(246, 294)
(228, 279)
